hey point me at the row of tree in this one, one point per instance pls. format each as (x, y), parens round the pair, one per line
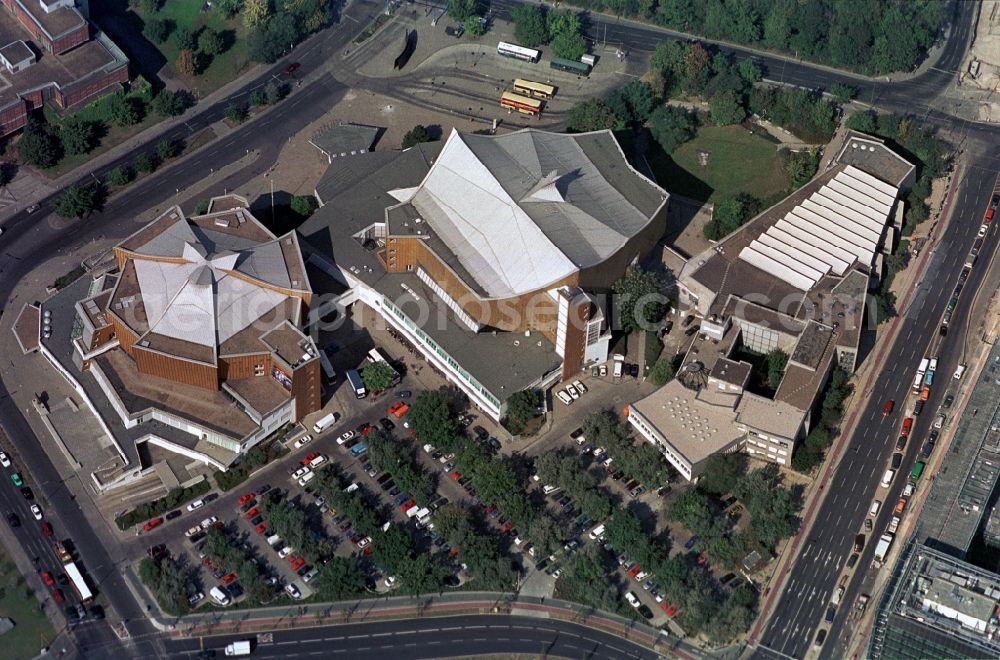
(809, 452)
(873, 38)
(169, 582)
(477, 549)
(232, 558)
(638, 461)
(535, 26)
(389, 455)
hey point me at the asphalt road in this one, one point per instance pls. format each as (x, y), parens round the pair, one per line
(855, 483)
(28, 240)
(431, 638)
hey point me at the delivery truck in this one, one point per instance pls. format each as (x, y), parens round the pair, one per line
(882, 549)
(238, 648)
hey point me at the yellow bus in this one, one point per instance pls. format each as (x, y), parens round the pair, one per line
(533, 89)
(522, 104)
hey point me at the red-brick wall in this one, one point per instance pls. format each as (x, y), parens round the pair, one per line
(93, 87)
(71, 39)
(13, 117)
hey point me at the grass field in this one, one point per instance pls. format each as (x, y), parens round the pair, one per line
(32, 629)
(223, 67)
(737, 162)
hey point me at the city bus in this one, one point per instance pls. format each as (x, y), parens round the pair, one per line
(329, 375)
(534, 89)
(522, 104)
(375, 355)
(578, 68)
(79, 585)
(517, 52)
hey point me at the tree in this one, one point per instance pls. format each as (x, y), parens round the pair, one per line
(167, 149)
(120, 176)
(143, 163)
(432, 420)
(671, 126)
(721, 473)
(777, 360)
(530, 29)
(184, 38)
(186, 62)
(229, 8)
(565, 29)
(76, 201)
(156, 30)
(210, 42)
(750, 71)
(168, 103)
(38, 145)
(236, 113)
(340, 579)
(78, 136)
(378, 376)
(304, 205)
(694, 510)
(461, 10)
(147, 6)
(726, 107)
(271, 40)
(255, 13)
(843, 93)
(639, 299)
(416, 135)
(730, 214)
(257, 97)
(591, 115)
(521, 407)
(275, 91)
(633, 102)
(474, 27)
(662, 372)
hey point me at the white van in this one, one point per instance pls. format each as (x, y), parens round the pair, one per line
(887, 478)
(619, 363)
(273, 540)
(324, 422)
(960, 371)
(306, 478)
(597, 532)
(874, 508)
(220, 596)
(564, 397)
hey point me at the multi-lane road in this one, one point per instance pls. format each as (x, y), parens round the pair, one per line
(432, 638)
(28, 241)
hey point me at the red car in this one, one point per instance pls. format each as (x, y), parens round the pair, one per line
(668, 609)
(407, 505)
(451, 553)
(308, 459)
(887, 409)
(47, 578)
(988, 217)
(635, 570)
(702, 558)
(261, 528)
(57, 596)
(292, 68)
(152, 524)
(506, 527)
(299, 563)
(455, 476)
(907, 425)
(366, 429)
(46, 529)
(246, 498)
(229, 579)
(253, 513)
(367, 551)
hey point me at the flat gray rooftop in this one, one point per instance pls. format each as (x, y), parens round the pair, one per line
(959, 497)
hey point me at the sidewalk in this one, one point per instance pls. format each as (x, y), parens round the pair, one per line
(863, 381)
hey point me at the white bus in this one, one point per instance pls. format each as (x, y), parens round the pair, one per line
(517, 52)
(79, 585)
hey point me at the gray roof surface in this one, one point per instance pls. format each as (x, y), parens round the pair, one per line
(343, 139)
(265, 262)
(503, 363)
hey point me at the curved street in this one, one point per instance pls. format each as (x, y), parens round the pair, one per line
(31, 240)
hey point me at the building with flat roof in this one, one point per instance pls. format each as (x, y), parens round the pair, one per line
(198, 329)
(485, 251)
(794, 279)
(50, 53)
(937, 607)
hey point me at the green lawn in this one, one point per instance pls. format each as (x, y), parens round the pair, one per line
(737, 162)
(224, 67)
(32, 629)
